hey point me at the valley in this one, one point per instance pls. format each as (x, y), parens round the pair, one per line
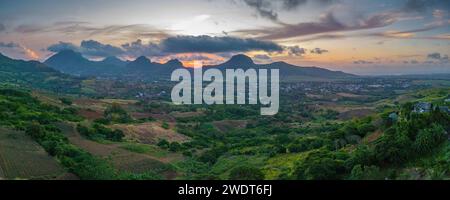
(329, 126)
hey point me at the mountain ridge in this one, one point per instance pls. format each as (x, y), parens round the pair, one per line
(74, 63)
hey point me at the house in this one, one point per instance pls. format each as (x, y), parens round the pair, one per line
(422, 107)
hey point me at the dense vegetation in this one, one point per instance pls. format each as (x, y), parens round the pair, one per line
(18, 109)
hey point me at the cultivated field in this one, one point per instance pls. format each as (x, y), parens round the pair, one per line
(22, 158)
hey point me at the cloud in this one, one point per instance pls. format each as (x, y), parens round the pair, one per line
(2, 27)
(87, 30)
(439, 14)
(94, 48)
(88, 48)
(413, 62)
(267, 8)
(440, 37)
(362, 62)
(424, 5)
(62, 46)
(137, 48)
(296, 51)
(208, 44)
(326, 24)
(263, 8)
(262, 58)
(438, 57)
(9, 45)
(416, 5)
(319, 51)
(170, 45)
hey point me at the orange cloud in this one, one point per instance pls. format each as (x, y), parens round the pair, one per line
(188, 59)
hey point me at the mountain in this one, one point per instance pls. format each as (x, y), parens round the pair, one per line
(238, 61)
(71, 62)
(286, 70)
(143, 68)
(112, 60)
(35, 74)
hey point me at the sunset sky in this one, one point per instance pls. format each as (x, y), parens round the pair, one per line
(357, 36)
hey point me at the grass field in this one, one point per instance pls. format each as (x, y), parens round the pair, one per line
(22, 158)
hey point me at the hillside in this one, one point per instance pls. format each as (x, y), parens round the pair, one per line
(37, 75)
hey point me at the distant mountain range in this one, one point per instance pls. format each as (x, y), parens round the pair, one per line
(74, 63)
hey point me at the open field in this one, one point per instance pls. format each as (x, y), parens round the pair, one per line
(149, 133)
(227, 125)
(22, 158)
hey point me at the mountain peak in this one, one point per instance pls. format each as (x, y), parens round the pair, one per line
(174, 62)
(240, 60)
(66, 56)
(112, 60)
(142, 60)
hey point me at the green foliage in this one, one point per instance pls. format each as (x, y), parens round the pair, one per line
(66, 101)
(429, 138)
(246, 173)
(116, 114)
(100, 132)
(306, 144)
(320, 165)
(366, 173)
(165, 125)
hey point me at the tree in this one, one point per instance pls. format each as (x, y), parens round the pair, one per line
(246, 173)
(429, 138)
(366, 173)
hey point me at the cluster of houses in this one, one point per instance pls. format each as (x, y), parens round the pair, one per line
(425, 107)
(422, 107)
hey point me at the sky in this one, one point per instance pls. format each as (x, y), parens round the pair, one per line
(368, 37)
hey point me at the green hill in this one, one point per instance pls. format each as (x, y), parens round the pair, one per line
(33, 74)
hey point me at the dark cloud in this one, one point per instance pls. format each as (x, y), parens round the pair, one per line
(9, 45)
(416, 5)
(137, 48)
(178, 44)
(263, 7)
(438, 57)
(208, 44)
(319, 51)
(328, 23)
(88, 48)
(94, 48)
(266, 8)
(296, 51)
(424, 5)
(413, 62)
(62, 46)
